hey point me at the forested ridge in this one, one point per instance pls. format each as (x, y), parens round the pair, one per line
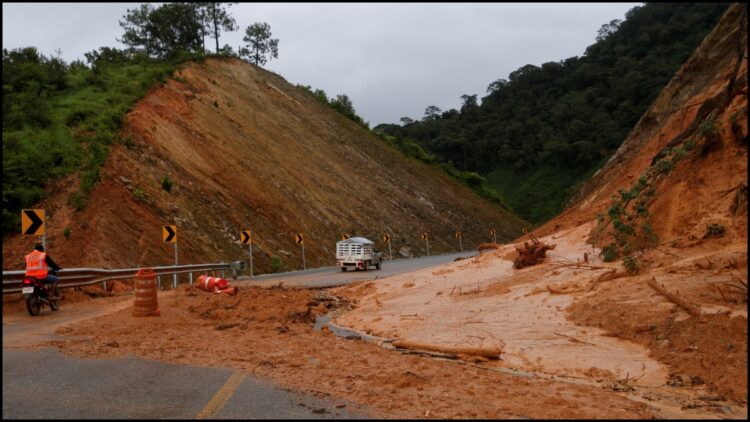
(533, 138)
(539, 133)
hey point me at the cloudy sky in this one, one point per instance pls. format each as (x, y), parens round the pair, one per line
(391, 59)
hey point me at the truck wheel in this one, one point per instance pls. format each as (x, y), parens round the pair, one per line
(377, 265)
(343, 269)
(366, 265)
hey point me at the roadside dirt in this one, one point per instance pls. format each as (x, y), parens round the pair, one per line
(269, 333)
(572, 320)
(571, 337)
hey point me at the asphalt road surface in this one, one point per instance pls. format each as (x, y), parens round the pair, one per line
(333, 276)
(44, 384)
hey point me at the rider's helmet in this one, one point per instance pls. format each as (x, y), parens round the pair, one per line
(39, 247)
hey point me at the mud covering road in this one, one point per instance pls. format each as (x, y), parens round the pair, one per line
(131, 387)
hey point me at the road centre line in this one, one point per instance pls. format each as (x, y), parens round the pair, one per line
(222, 396)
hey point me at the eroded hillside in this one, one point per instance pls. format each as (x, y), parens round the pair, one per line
(667, 324)
(243, 149)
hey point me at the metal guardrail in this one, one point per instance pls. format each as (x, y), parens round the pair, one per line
(76, 277)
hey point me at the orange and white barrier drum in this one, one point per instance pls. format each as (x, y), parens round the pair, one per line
(215, 285)
(146, 303)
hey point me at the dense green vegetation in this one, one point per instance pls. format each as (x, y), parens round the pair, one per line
(59, 119)
(540, 133)
(533, 138)
(340, 103)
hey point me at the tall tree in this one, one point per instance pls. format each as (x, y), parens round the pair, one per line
(137, 30)
(218, 19)
(175, 28)
(202, 10)
(259, 44)
(431, 113)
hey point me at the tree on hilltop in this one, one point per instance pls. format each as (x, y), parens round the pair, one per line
(163, 31)
(215, 18)
(137, 34)
(259, 44)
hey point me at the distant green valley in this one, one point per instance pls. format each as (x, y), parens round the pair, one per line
(536, 136)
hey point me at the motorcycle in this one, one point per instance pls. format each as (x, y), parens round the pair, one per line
(38, 293)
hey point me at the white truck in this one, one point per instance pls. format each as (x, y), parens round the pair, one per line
(358, 253)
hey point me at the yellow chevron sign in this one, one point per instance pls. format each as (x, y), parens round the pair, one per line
(169, 233)
(32, 222)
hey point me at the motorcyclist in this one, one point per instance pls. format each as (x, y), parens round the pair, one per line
(38, 264)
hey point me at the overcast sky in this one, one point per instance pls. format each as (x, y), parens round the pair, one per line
(391, 59)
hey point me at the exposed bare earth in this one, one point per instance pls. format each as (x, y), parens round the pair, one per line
(247, 150)
(268, 333)
(560, 339)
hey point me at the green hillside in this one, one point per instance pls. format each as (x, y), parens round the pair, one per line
(536, 135)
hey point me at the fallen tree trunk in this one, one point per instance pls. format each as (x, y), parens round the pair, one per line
(490, 245)
(531, 254)
(487, 352)
(674, 298)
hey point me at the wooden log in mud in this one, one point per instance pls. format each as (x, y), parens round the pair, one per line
(531, 254)
(674, 298)
(487, 352)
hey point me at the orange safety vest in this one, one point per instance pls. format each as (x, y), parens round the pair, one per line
(36, 264)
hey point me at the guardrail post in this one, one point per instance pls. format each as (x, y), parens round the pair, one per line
(158, 282)
(191, 278)
(174, 285)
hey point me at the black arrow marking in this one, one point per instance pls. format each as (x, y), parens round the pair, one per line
(171, 233)
(36, 222)
(245, 237)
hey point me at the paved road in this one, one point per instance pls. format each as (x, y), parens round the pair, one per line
(129, 387)
(333, 276)
(44, 384)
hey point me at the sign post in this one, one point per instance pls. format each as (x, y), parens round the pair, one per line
(300, 240)
(492, 233)
(426, 239)
(387, 238)
(246, 238)
(169, 234)
(460, 242)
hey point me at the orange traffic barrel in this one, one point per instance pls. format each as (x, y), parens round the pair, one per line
(146, 303)
(215, 285)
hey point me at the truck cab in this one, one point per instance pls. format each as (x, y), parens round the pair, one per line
(358, 253)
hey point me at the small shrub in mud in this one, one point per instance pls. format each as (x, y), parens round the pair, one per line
(66, 233)
(630, 264)
(609, 252)
(166, 184)
(139, 194)
(715, 230)
(276, 263)
(708, 130)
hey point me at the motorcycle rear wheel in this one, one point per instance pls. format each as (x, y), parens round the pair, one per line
(55, 304)
(33, 305)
